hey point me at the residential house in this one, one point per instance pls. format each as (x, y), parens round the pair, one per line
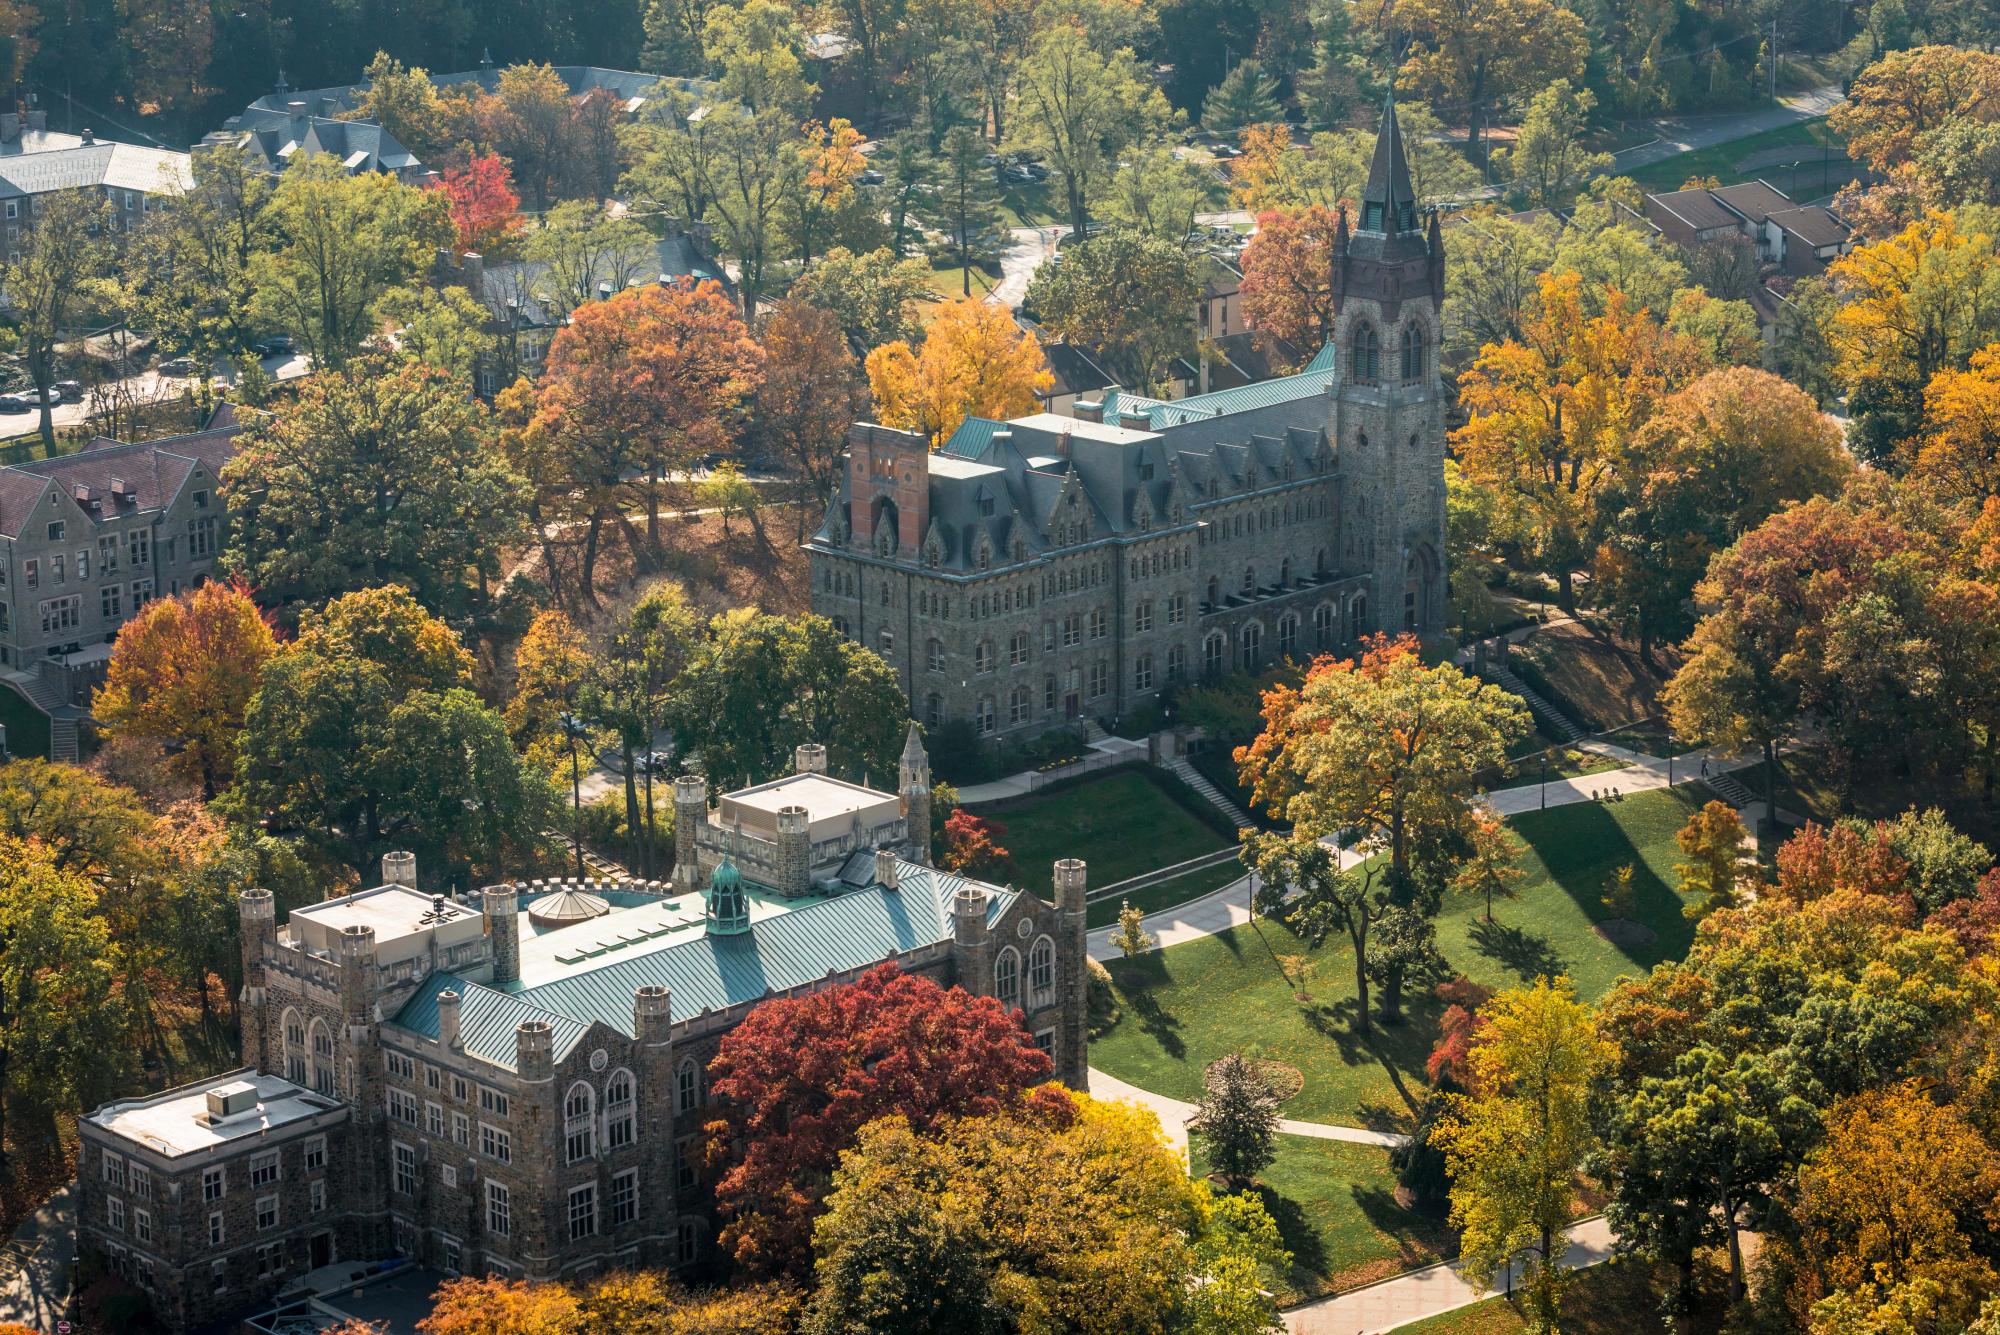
(36, 161)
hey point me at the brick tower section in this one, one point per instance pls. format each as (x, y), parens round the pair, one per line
(972, 941)
(690, 810)
(652, 1028)
(503, 931)
(260, 931)
(1072, 975)
(794, 858)
(913, 786)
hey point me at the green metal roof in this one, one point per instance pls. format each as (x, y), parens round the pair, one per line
(1313, 379)
(710, 973)
(974, 434)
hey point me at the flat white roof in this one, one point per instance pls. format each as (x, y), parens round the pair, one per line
(1058, 425)
(176, 1122)
(392, 910)
(830, 803)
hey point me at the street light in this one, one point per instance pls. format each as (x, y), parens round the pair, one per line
(573, 730)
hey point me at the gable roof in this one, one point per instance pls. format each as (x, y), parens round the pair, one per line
(153, 471)
(1754, 200)
(1697, 208)
(118, 166)
(1815, 225)
(704, 973)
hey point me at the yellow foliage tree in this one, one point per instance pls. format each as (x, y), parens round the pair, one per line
(974, 361)
(1958, 457)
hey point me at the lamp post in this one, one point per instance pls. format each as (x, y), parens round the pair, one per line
(573, 731)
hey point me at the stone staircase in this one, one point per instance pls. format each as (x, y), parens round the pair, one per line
(1554, 722)
(1093, 731)
(47, 697)
(1209, 793)
(1731, 790)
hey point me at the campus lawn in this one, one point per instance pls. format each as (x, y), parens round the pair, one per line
(1181, 1008)
(1335, 1205)
(947, 280)
(1165, 895)
(1615, 1298)
(1122, 823)
(1811, 138)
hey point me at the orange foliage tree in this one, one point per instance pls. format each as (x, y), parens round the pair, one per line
(182, 673)
(485, 211)
(1288, 275)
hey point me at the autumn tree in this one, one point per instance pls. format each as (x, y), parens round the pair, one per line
(188, 266)
(1131, 937)
(1715, 460)
(579, 249)
(378, 472)
(404, 101)
(182, 673)
(1080, 108)
(1549, 160)
(342, 243)
(974, 361)
(553, 668)
(64, 254)
(1237, 1119)
(1288, 275)
(364, 736)
(1078, 1216)
(1127, 297)
(811, 393)
(1550, 414)
(1492, 860)
(1957, 458)
(641, 1302)
(1480, 54)
(1517, 1141)
(972, 847)
(1712, 842)
(800, 1077)
(874, 295)
(1910, 97)
(1304, 882)
(1913, 305)
(642, 384)
(485, 212)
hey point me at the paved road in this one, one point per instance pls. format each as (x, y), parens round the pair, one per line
(34, 1266)
(148, 387)
(1685, 134)
(1427, 1292)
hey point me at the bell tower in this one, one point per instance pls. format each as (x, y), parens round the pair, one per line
(1388, 408)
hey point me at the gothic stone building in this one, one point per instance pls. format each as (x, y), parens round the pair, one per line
(1052, 568)
(514, 1083)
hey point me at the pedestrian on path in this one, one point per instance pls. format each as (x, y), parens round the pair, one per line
(1704, 767)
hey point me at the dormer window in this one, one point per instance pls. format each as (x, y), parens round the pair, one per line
(986, 506)
(1145, 470)
(201, 500)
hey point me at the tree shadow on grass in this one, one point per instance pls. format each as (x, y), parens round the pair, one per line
(1421, 1236)
(1135, 979)
(1580, 844)
(1399, 1049)
(1524, 954)
(1301, 1239)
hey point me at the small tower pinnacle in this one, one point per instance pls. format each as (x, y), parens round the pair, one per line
(1388, 202)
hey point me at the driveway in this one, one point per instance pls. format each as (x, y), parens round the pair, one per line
(1029, 249)
(34, 1266)
(1685, 134)
(149, 387)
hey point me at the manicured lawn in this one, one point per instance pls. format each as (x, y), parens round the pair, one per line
(1184, 1007)
(946, 279)
(1036, 204)
(1809, 137)
(1167, 893)
(1335, 1205)
(1121, 823)
(1563, 762)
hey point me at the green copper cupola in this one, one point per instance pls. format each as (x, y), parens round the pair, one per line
(728, 911)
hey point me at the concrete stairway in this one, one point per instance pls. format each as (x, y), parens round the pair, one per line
(1731, 790)
(1192, 777)
(1554, 722)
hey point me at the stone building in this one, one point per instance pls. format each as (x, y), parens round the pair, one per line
(515, 1083)
(1053, 568)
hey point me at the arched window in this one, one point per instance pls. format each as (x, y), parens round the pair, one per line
(1364, 361)
(1042, 973)
(1214, 591)
(687, 1087)
(579, 1123)
(1319, 561)
(1288, 634)
(1017, 706)
(984, 713)
(1007, 978)
(621, 1111)
(1249, 580)
(1017, 648)
(1252, 638)
(1176, 662)
(1357, 616)
(1413, 352)
(982, 656)
(322, 1057)
(1214, 652)
(295, 1047)
(1323, 619)
(934, 654)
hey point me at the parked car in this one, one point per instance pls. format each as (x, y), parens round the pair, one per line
(275, 345)
(870, 176)
(16, 403)
(69, 391)
(177, 366)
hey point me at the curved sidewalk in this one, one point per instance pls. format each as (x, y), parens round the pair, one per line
(1174, 1116)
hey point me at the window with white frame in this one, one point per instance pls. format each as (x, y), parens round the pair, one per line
(687, 1087)
(316, 1195)
(405, 1158)
(264, 1169)
(1042, 972)
(1142, 616)
(141, 1181)
(624, 1198)
(218, 1275)
(583, 1211)
(114, 1171)
(403, 1106)
(400, 1065)
(461, 1129)
(315, 1154)
(499, 1210)
(142, 1225)
(213, 1184)
(267, 1213)
(434, 1120)
(114, 1214)
(1142, 672)
(495, 1143)
(621, 1116)
(216, 1232)
(579, 1123)
(492, 1101)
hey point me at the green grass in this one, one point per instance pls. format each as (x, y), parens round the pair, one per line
(1181, 1008)
(946, 280)
(1166, 894)
(1616, 1298)
(1121, 823)
(1335, 1205)
(1810, 137)
(1564, 762)
(1037, 204)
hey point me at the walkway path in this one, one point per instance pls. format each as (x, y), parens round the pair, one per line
(1174, 1116)
(34, 1279)
(1685, 134)
(1427, 1292)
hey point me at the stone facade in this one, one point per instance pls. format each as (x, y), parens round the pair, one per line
(500, 1098)
(1037, 572)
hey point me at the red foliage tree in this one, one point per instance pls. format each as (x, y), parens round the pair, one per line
(1288, 275)
(972, 847)
(1975, 921)
(802, 1075)
(485, 211)
(1456, 1029)
(1819, 861)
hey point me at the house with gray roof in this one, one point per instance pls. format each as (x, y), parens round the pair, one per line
(36, 161)
(522, 1093)
(86, 540)
(277, 138)
(1029, 574)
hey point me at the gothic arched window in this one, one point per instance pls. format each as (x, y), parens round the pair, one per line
(1413, 352)
(1364, 360)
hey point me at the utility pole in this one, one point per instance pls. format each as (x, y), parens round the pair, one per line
(1774, 58)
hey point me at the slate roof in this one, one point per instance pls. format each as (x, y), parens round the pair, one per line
(1388, 200)
(843, 934)
(120, 166)
(155, 469)
(626, 85)
(1755, 200)
(1697, 208)
(1814, 225)
(1075, 370)
(526, 281)
(280, 136)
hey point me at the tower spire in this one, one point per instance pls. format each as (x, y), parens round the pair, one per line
(1388, 202)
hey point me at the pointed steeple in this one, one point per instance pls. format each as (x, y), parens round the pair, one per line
(1388, 203)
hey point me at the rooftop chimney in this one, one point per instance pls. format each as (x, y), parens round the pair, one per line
(1135, 419)
(10, 127)
(88, 137)
(1087, 410)
(448, 1018)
